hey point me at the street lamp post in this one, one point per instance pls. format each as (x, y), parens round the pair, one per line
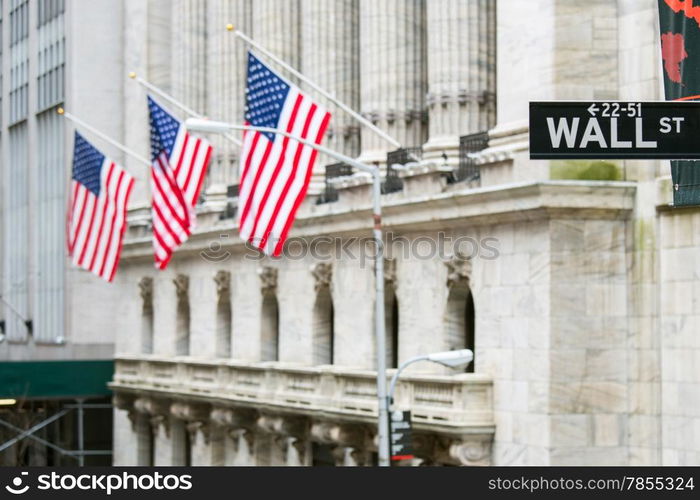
(203, 125)
(451, 359)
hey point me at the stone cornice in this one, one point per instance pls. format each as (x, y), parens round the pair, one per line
(492, 205)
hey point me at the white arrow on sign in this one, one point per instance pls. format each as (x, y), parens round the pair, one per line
(593, 109)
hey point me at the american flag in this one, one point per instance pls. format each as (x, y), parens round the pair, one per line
(97, 210)
(275, 170)
(179, 166)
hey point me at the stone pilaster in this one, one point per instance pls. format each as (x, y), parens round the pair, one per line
(392, 65)
(330, 58)
(226, 70)
(461, 48)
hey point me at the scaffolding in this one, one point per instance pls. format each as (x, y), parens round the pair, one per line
(79, 454)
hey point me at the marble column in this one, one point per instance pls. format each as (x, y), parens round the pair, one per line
(330, 57)
(189, 60)
(461, 51)
(136, 130)
(226, 70)
(393, 74)
(276, 26)
(159, 43)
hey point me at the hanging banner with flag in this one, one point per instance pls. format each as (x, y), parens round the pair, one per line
(680, 51)
(179, 166)
(275, 170)
(97, 210)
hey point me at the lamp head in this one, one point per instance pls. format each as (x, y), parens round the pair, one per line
(452, 359)
(203, 125)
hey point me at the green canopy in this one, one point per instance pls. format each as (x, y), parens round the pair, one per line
(55, 379)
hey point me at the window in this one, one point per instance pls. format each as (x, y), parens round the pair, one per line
(391, 327)
(323, 328)
(270, 328)
(460, 319)
(51, 53)
(19, 56)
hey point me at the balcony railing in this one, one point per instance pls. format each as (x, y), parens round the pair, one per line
(393, 183)
(468, 170)
(333, 171)
(449, 404)
(231, 202)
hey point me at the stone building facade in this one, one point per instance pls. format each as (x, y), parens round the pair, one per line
(575, 282)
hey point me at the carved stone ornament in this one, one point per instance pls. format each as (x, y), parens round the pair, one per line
(268, 279)
(123, 401)
(459, 268)
(152, 406)
(190, 412)
(476, 452)
(223, 284)
(236, 434)
(160, 420)
(390, 272)
(284, 426)
(323, 274)
(199, 427)
(338, 434)
(233, 419)
(182, 285)
(146, 289)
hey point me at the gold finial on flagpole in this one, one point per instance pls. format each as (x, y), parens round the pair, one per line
(229, 27)
(60, 111)
(132, 75)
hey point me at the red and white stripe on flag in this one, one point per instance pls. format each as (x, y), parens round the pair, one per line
(97, 211)
(179, 167)
(276, 170)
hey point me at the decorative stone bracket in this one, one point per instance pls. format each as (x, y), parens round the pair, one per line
(390, 272)
(182, 285)
(197, 418)
(268, 279)
(459, 268)
(223, 284)
(146, 290)
(323, 274)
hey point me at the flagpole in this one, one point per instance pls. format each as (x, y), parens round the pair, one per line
(383, 437)
(357, 116)
(102, 136)
(175, 102)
